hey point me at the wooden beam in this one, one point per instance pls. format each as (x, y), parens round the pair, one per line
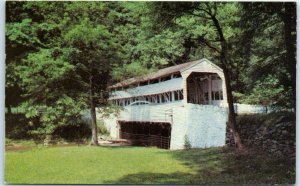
(209, 90)
(173, 95)
(185, 101)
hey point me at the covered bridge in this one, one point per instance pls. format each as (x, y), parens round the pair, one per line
(174, 106)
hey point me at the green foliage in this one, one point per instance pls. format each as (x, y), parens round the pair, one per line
(41, 71)
(187, 143)
(77, 35)
(79, 133)
(101, 128)
(238, 97)
(267, 90)
(17, 126)
(70, 50)
(7, 141)
(254, 33)
(22, 143)
(65, 111)
(269, 120)
(110, 109)
(134, 69)
(262, 52)
(62, 54)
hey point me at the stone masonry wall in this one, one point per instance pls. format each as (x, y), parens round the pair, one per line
(274, 133)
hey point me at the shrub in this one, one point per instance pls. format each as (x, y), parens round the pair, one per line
(187, 143)
(266, 119)
(101, 127)
(76, 132)
(17, 126)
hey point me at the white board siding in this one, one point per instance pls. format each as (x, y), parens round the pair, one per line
(179, 128)
(204, 125)
(149, 113)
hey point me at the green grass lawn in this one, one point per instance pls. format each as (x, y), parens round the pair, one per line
(138, 165)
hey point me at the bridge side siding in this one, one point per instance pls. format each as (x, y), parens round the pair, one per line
(201, 125)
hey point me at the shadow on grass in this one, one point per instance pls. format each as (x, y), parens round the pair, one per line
(220, 166)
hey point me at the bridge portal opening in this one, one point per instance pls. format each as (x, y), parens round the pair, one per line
(204, 88)
(146, 133)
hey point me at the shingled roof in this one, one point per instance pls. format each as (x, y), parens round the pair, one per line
(160, 73)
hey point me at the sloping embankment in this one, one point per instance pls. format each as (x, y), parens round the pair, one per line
(274, 133)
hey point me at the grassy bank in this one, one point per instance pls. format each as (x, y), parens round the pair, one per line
(111, 165)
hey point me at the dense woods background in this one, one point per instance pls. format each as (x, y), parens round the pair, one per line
(61, 56)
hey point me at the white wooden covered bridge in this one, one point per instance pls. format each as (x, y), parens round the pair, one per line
(177, 105)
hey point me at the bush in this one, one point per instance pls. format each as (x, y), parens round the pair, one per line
(17, 126)
(76, 132)
(187, 143)
(101, 127)
(8, 141)
(266, 119)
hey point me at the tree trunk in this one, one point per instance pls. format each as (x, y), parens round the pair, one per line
(9, 110)
(289, 20)
(231, 114)
(226, 65)
(94, 140)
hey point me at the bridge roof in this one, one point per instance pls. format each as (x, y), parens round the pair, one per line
(160, 73)
(157, 88)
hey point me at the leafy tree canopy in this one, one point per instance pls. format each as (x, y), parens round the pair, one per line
(62, 55)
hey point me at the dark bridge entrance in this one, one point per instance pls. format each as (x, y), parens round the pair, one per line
(146, 133)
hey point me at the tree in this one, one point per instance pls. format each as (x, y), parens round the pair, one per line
(252, 34)
(94, 61)
(287, 13)
(268, 89)
(265, 48)
(25, 33)
(21, 37)
(208, 17)
(69, 69)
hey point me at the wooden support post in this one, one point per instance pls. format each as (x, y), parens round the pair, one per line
(167, 95)
(173, 96)
(196, 91)
(185, 101)
(120, 132)
(209, 90)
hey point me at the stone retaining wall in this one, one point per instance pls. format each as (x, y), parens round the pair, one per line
(274, 133)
